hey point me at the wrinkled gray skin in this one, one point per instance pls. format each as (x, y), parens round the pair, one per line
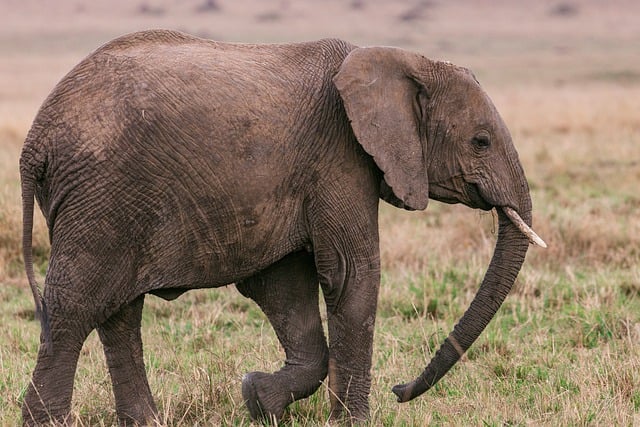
(164, 162)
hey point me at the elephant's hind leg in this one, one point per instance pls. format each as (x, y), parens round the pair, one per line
(287, 293)
(120, 336)
(48, 397)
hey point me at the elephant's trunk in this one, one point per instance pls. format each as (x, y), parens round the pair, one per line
(505, 265)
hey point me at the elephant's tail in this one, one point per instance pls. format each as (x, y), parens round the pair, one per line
(28, 180)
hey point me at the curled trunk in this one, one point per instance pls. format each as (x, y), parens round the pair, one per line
(505, 265)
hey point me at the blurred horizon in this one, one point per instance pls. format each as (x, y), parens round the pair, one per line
(546, 42)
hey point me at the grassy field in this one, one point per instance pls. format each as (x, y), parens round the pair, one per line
(565, 347)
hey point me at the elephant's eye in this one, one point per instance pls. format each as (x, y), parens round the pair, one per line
(481, 142)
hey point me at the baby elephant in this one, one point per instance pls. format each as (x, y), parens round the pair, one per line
(164, 162)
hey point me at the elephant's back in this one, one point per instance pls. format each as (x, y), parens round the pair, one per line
(149, 40)
(183, 55)
(168, 73)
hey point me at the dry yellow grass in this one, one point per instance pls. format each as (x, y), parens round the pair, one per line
(563, 350)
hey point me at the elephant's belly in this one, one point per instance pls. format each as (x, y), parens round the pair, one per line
(218, 256)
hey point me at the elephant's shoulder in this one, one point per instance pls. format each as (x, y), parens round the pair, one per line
(325, 48)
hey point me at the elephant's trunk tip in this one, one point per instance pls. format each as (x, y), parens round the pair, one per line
(410, 390)
(523, 227)
(403, 392)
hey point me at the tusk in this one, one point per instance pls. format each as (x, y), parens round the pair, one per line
(523, 227)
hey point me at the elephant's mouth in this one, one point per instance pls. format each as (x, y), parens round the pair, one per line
(479, 202)
(472, 197)
(460, 192)
(475, 198)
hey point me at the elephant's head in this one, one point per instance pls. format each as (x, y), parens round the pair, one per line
(434, 133)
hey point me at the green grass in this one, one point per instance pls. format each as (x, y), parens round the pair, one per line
(562, 351)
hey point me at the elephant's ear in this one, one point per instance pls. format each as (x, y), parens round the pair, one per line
(384, 104)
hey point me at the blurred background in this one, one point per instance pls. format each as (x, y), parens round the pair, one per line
(551, 41)
(564, 349)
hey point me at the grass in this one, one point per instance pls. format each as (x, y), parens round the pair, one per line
(564, 347)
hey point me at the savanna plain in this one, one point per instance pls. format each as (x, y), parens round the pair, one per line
(564, 349)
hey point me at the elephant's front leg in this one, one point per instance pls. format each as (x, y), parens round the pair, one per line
(287, 293)
(351, 291)
(344, 233)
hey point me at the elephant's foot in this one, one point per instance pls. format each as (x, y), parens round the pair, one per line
(264, 396)
(138, 415)
(37, 414)
(267, 395)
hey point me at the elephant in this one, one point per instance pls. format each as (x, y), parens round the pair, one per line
(164, 162)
